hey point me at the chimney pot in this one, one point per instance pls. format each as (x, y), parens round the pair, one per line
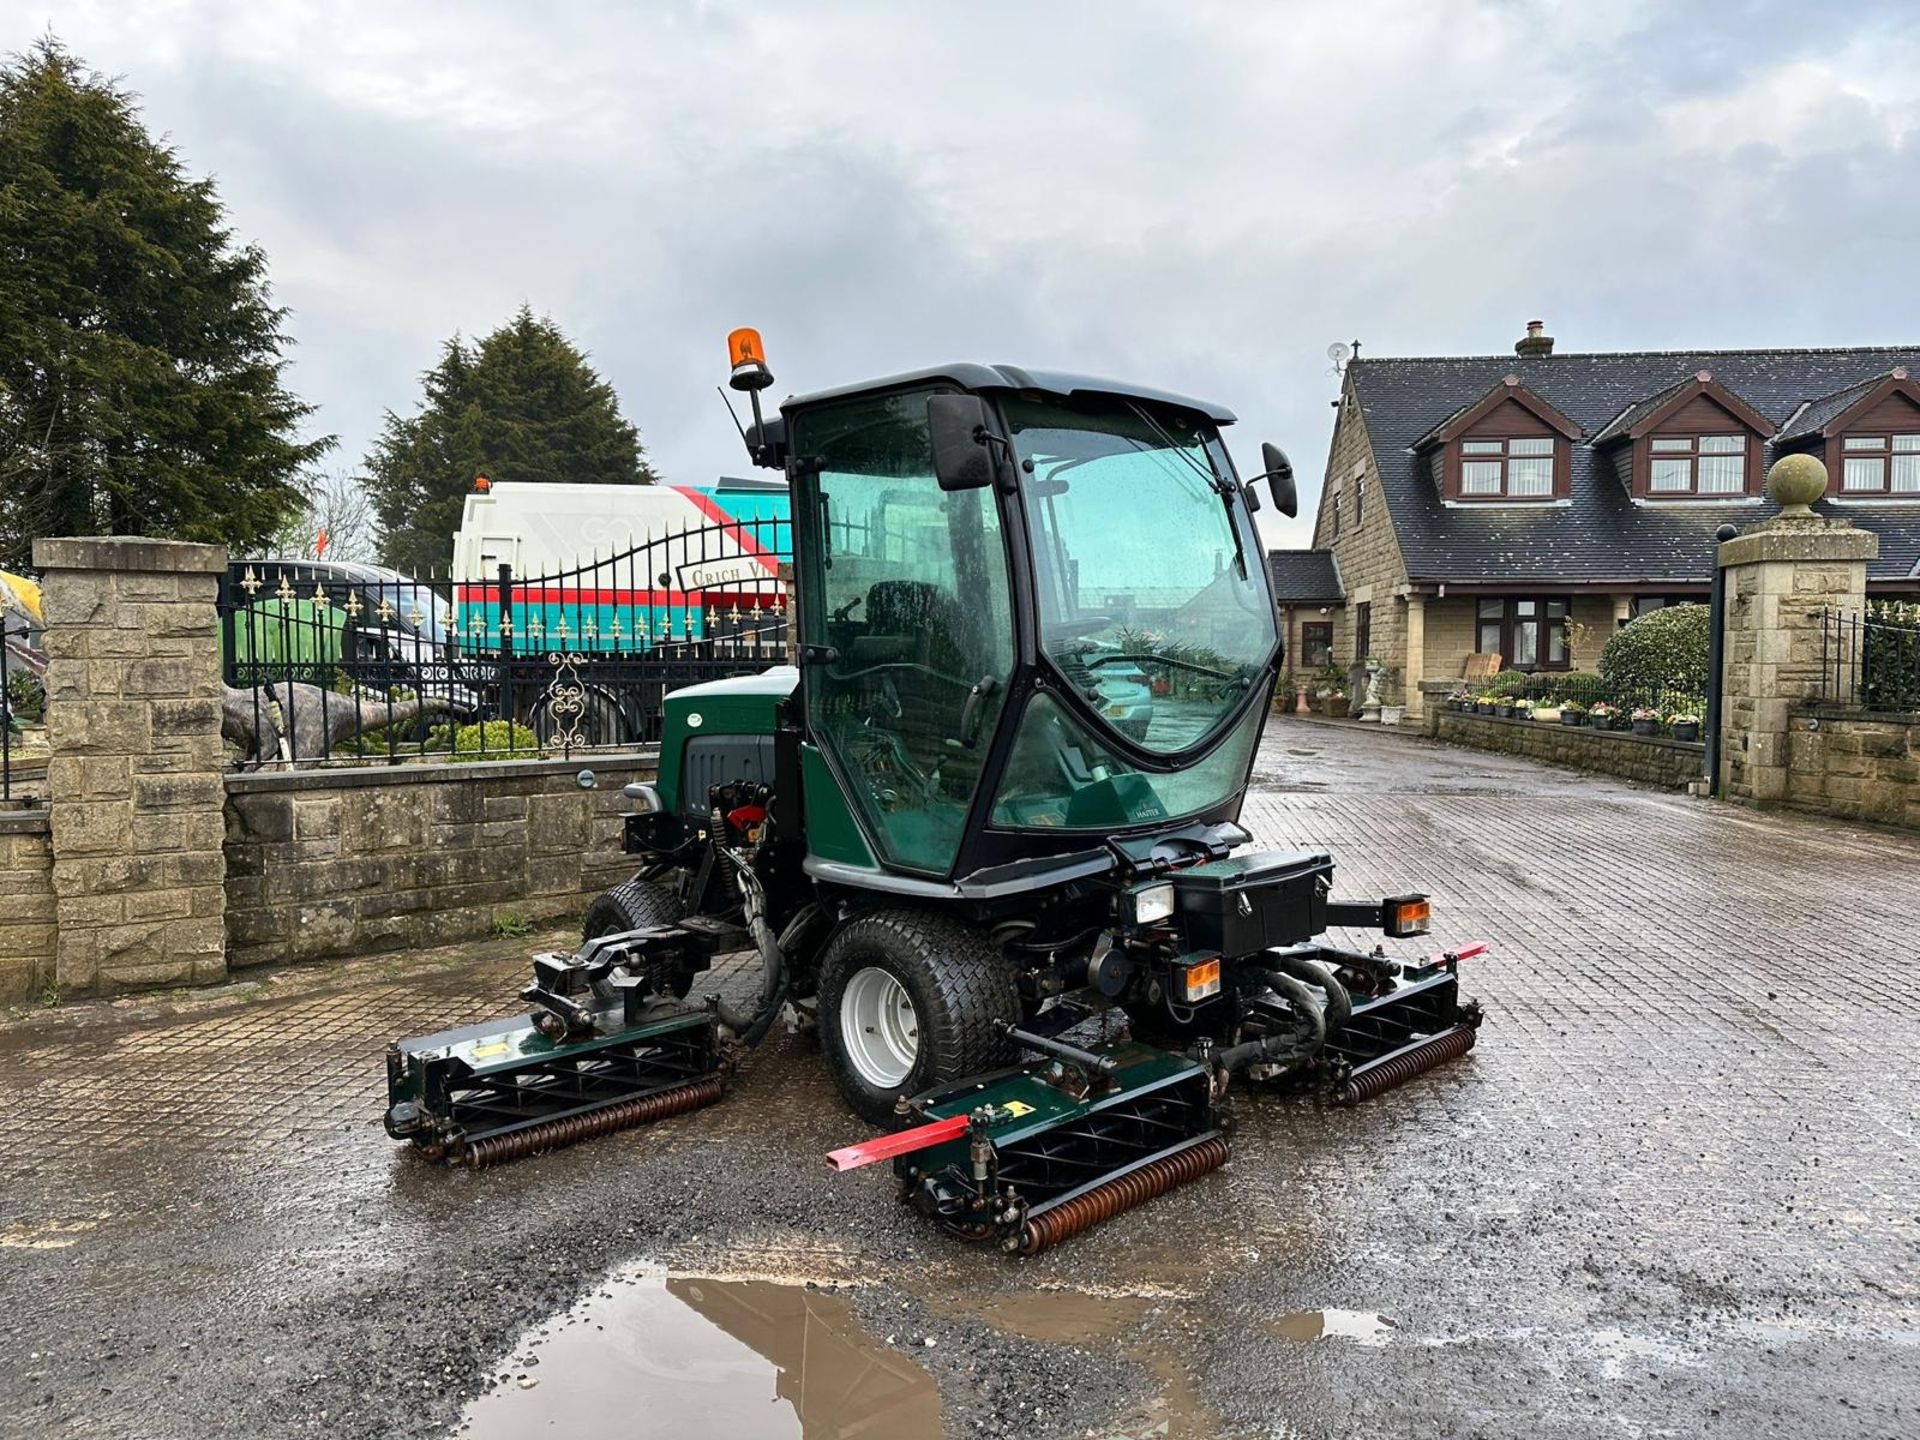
(1534, 342)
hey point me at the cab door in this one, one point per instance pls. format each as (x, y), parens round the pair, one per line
(912, 614)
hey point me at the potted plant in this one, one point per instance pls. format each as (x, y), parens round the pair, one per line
(1572, 712)
(1483, 705)
(1685, 727)
(1337, 704)
(1522, 710)
(1645, 721)
(1600, 715)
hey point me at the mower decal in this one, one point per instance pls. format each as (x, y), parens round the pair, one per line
(1017, 1108)
(487, 1052)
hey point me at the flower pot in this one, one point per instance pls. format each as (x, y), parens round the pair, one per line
(1572, 717)
(1686, 730)
(1645, 727)
(1600, 722)
(1337, 707)
(1483, 707)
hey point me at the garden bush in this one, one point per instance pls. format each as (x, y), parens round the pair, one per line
(1664, 650)
(1890, 662)
(1582, 687)
(495, 740)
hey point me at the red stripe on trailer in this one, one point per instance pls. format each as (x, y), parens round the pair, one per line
(477, 594)
(903, 1142)
(710, 507)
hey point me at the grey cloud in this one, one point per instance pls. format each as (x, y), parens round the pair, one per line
(1201, 196)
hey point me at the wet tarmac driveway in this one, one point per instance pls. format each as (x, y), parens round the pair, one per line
(1673, 1192)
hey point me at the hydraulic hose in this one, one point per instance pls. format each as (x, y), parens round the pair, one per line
(1309, 1023)
(1338, 1003)
(752, 1028)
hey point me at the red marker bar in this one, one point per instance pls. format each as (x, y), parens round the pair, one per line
(902, 1142)
(1465, 952)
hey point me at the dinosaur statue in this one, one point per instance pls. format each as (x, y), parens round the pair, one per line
(288, 720)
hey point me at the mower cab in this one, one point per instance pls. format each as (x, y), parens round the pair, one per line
(998, 794)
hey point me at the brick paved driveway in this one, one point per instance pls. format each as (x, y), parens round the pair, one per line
(1673, 1192)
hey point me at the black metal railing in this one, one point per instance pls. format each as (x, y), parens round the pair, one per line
(348, 662)
(1871, 660)
(1585, 698)
(23, 701)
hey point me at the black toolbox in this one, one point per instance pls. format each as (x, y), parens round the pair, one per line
(1253, 902)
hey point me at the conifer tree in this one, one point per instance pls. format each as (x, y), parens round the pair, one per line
(522, 404)
(140, 356)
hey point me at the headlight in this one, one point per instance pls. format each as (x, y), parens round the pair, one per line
(644, 798)
(1150, 904)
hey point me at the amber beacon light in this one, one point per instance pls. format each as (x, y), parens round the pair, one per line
(749, 360)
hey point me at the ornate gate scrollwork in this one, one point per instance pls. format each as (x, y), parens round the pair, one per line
(565, 702)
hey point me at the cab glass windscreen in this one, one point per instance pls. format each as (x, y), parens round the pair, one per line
(1063, 777)
(1147, 572)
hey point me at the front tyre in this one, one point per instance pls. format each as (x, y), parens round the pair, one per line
(910, 1000)
(640, 905)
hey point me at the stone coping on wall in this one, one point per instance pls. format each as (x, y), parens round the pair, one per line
(348, 777)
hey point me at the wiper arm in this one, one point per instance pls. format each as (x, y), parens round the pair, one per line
(1222, 486)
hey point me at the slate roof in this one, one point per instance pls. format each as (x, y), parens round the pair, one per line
(1816, 415)
(1600, 535)
(1305, 577)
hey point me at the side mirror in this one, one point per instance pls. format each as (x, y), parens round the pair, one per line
(1278, 472)
(958, 427)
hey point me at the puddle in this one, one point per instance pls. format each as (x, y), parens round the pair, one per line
(1064, 1317)
(1361, 1326)
(657, 1355)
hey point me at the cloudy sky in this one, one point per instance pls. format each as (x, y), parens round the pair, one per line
(1201, 196)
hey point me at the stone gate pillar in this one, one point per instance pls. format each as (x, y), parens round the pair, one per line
(134, 779)
(1782, 575)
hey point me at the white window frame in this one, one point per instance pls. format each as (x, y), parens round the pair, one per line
(1883, 464)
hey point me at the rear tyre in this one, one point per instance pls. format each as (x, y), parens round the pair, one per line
(640, 905)
(910, 1000)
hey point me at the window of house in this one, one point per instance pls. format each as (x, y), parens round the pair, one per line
(1316, 644)
(1333, 519)
(1359, 502)
(1880, 464)
(1647, 604)
(1517, 469)
(1362, 631)
(1699, 465)
(1526, 632)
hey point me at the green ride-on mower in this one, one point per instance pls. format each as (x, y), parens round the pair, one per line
(997, 795)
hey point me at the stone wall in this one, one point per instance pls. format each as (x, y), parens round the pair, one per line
(1782, 576)
(1368, 553)
(1649, 759)
(328, 863)
(1861, 765)
(133, 721)
(26, 907)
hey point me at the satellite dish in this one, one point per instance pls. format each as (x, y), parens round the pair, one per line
(1339, 352)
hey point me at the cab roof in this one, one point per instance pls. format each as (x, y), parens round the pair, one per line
(969, 375)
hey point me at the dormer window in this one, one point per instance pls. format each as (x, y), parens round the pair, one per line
(1698, 465)
(1695, 439)
(1880, 465)
(1518, 468)
(1508, 446)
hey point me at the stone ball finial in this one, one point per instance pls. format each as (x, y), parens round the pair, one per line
(1794, 482)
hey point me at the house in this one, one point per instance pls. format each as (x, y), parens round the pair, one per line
(1528, 504)
(1307, 592)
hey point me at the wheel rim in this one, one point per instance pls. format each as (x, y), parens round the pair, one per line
(879, 1028)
